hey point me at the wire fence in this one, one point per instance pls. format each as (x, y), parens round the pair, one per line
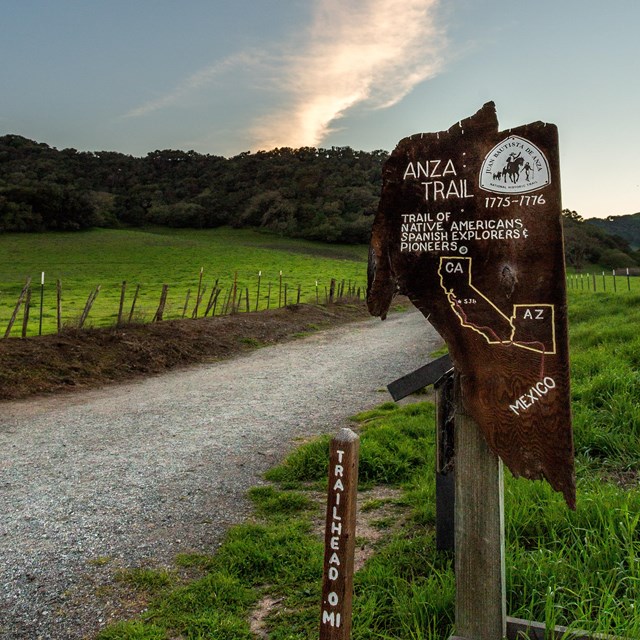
(616, 281)
(50, 308)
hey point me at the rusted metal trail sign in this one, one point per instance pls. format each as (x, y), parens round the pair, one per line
(469, 228)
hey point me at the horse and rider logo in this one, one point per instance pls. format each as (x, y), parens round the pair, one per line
(514, 165)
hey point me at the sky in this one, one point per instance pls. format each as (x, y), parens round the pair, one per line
(225, 77)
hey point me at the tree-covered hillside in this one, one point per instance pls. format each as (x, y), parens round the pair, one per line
(320, 194)
(586, 243)
(317, 194)
(627, 227)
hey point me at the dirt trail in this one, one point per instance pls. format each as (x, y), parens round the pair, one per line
(138, 472)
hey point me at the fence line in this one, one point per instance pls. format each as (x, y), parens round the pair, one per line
(171, 302)
(616, 281)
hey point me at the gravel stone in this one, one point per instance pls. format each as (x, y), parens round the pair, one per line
(133, 474)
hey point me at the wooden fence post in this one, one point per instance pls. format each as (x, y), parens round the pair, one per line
(14, 315)
(198, 295)
(340, 537)
(215, 302)
(163, 301)
(59, 303)
(199, 300)
(25, 317)
(87, 307)
(234, 291)
(133, 303)
(332, 290)
(479, 532)
(186, 303)
(214, 290)
(121, 306)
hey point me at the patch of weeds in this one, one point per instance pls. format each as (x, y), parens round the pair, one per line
(384, 523)
(214, 606)
(375, 503)
(146, 579)
(281, 553)
(270, 501)
(251, 342)
(379, 412)
(100, 561)
(132, 631)
(200, 561)
(307, 463)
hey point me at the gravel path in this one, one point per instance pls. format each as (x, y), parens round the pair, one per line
(137, 473)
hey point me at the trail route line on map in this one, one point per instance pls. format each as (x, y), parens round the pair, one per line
(530, 326)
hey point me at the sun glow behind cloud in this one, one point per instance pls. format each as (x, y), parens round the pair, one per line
(362, 53)
(365, 52)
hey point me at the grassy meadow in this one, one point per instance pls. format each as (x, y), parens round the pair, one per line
(579, 569)
(152, 257)
(156, 256)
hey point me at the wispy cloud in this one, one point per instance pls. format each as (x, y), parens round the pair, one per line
(368, 53)
(362, 52)
(195, 82)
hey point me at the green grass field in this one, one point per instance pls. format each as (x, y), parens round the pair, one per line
(153, 257)
(579, 569)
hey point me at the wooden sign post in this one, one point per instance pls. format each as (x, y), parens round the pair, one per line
(340, 537)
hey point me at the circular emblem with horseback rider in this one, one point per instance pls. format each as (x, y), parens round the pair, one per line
(514, 165)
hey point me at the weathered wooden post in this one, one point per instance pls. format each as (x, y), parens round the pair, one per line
(163, 301)
(481, 604)
(121, 305)
(87, 307)
(133, 303)
(340, 537)
(16, 309)
(59, 304)
(198, 295)
(41, 303)
(25, 316)
(469, 228)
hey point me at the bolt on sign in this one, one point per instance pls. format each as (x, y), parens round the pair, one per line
(469, 228)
